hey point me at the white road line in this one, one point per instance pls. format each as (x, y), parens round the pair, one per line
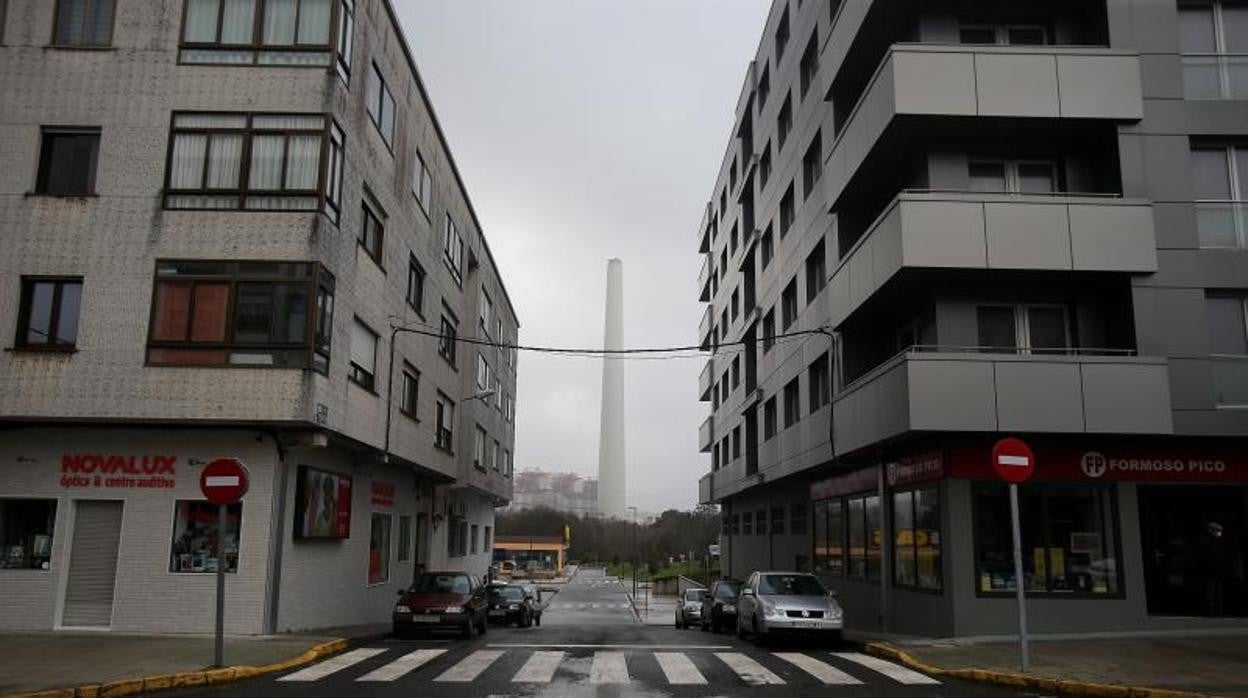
(469, 667)
(823, 671)
(333, 664)
(402, 666)
(540, 668)
(679, 668)
(609, 667)
(749, 670)
(893, 671)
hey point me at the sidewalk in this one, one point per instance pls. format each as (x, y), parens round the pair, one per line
(1212, 664)
(42, 661)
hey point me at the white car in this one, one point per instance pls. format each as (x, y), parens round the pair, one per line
(780, 603)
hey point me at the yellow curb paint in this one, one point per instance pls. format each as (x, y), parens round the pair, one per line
(87, 691)
(121, 688)
(67, 693)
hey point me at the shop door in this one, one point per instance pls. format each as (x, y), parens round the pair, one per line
(92, 564)
(1187, 569)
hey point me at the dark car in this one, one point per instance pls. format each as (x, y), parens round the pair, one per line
(719, 606)
(441, 601)
(510, 604)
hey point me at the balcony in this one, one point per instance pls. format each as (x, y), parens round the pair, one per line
(705, 228)
(706, 381)
(706, 434)
(917, 80)
(956, 230)
(706, 486)
(704, 328)
(704, 280)
(956, 389)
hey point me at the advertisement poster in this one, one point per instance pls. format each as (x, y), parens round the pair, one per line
(323, 504)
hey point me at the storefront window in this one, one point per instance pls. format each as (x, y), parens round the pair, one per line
(26, 533)
(820, 538)
(916, 538)
(195, 537)
(830, 537)
(405, 538)
(857, 539)
(379, 550)
(1069, 540)
(874, 531)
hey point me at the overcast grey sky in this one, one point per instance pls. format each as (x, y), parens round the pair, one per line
(589, 129)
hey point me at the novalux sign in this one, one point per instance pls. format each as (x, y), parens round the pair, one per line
(1115, 464)
(110, 471)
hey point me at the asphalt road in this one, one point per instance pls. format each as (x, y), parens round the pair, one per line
(590, 644)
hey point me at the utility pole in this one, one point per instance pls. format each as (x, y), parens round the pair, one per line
(633, 529)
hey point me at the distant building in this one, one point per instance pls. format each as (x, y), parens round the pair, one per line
(566, 492)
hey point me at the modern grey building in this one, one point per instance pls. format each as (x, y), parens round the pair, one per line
(214, 214)
(941, 222)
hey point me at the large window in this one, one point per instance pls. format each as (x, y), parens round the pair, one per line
(259, 162)
(820, 383)
(363, 356)
(770, 421)
(863, 525)
(787, 212)
(84, 23)
(47, 317)
(784, 122)
(26, 527)
(447, 338)
(195, 537)
(379, 549)
(812, 165)
(346, 39)
(1013, 176)
(372, 231)
(809, 66)
(411, 390)
(453, 250)
(792, 404)
(334, 173)
(816, 271)
(422, 183)
(1228, 347)
(1069, 540)
(788, 305)
(381, 105)
(1220, 187)
(916, 538)
(479, 448)
(782, 35)
(415, 285)
(1024, 328)
(1213, 38)
(265, 32)
(829, 537)
(445, 423)
(67, 161)
(240, 314)
(769, 330)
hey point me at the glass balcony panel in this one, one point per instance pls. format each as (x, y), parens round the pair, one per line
(1215, 77)
(1230, 380)
(1220, 224)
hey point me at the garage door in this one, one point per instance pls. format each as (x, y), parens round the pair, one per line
(92, 564)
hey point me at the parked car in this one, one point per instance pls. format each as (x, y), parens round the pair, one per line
(777, 603)
(689, 611)
(508, 603)
(719, 605)
(441, 601)
(534, 592)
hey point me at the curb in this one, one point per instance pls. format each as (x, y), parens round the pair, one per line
(206, 677)
(1061, 687)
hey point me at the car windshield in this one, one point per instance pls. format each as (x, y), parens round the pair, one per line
(441, 583)
(694, 594)
(508, 593)
(728, 590)
(790, 585)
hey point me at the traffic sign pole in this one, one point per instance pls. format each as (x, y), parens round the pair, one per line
(219, 645)
(1018, 578)
(1015, 463)
(222, 482)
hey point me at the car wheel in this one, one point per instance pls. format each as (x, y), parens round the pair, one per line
(466, 632)
(485, 624)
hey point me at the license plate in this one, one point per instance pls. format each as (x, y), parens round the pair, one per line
(498, 613)
(425, 619)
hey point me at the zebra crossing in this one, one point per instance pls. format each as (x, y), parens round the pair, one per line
(585, 605)
(609, 666)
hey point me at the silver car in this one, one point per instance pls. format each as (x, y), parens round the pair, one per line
(777, 603)
(689, 612)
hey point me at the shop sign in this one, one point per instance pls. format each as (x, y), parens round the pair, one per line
(914, 469)
(857, 481)
(383, 494)
(1114, 464)
(118, 471)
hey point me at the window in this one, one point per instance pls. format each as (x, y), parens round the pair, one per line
(760, 522)
(735, 524)
(792, 404)
(507, 463)
(288, 33)
(1213, 38)
(736, 371)
(723, 384)
(411, 390)
(787, 212)
(788, 305)
(415, 285)
(67, 162)
(379, 549)
(732, 175)
(777, 519)
(333, 184)
(472, 539)
(363, 355)
(194, 547)
(485, 312)
(1069, 540)
(483, 374)
(734, 239)
(797, 518)
(764, 87)
(1024, 329)
(1014, 177)
(1220, 186)
(381, 105)
(782, 35)
(916, 538)
(487, 541)
(735, 303)
(809, 66)
(1005, 34)
(479, 444)
(784, 122)
(496, 456)
(346, 39)
(259, 162)
(816, 271)
(444, 423)
(863, 525)
(829, 537)
(820, 385)
(448, 338)
(764, 166)
(747, 524)
(241, 314)
(26, 527)
(770, 422)
(405, 538)
(769, 330)
(84, 23)
(736, 442)
(1228, 348)
(372, 233)
(422, 184)
(47, 317)
(715, 456)
(723, 201)
(768, 247)
(453, 250)
(812, 165)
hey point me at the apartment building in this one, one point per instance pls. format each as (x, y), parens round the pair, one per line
(235, 228)
(941, 222)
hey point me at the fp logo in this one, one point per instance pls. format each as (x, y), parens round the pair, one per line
(1093, 464)
(892, 473)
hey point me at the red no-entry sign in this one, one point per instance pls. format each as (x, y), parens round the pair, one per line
(1013, 460)
(223, 481)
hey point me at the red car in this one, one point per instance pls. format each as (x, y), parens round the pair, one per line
(442, 601)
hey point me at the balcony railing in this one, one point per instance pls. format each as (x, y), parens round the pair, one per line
(1230, 380)
(706, 434)
(704, 328)
(704, 279)
(1222, 224)
(706, 380)
(1215, 76)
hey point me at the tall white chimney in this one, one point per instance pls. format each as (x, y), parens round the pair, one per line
(611, 476)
